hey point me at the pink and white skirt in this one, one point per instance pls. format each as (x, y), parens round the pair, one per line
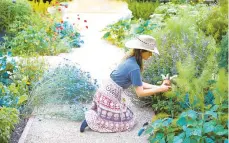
(109, 112)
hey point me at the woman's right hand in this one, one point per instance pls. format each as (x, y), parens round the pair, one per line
(165, 88)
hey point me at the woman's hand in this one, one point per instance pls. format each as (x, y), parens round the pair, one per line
(165, 88)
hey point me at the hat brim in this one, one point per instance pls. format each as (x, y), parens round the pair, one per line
(134, 44)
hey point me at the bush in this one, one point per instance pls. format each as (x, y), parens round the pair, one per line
(65, 86)
(142, 9)
(8, 118)
(14, 12)
(214, 22)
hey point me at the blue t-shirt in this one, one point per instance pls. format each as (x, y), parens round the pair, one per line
(127, 73)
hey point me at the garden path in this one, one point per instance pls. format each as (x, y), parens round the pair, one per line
(98, 57)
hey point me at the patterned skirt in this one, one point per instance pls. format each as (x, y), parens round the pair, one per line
(109, 112)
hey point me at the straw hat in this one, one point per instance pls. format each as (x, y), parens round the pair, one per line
(144, 42)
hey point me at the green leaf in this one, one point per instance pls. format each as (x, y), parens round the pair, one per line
(148, 130)
(167, 121)
(193, 132)
(179, 138)
(209, 140)
(22, 99)
(170, 137)
(209, 126)
(219, 130)
(106, 35)
(187, 140)
(213, 114)
(182, 121)
(192, 114)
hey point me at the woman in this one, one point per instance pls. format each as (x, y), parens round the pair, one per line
(109, 112)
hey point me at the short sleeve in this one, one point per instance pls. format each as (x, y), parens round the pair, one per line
(135, 77)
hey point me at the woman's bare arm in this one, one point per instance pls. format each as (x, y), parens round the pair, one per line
(143, 92)
(147, 85)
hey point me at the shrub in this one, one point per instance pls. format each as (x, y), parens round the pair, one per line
(8, 118)
(66, 86)
(214, 22)
(14, 12)
(142, 9)
(175, 42)
(118, 32)
(68, 33)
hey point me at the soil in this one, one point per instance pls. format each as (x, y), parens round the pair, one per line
(17, 132)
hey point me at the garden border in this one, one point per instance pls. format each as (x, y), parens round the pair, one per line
(26, 130)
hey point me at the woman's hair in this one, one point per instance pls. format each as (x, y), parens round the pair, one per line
(137, 53)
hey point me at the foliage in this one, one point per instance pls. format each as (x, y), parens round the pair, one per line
(33, 41)
(66, 85)
(168, 105)
(8, 118)
(142, 9)
(118, 32)
(175, 42)
(14, 12)
(190, 126)
(67, 32)
(214, 22)
(8, 66)
(196, 87)
(38, 38)
(223, 54)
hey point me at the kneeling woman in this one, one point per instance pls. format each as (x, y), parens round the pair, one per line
(109, 112)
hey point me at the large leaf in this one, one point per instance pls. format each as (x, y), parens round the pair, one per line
(182, 121)
(219, 130)
(193, 132)
(209, 126)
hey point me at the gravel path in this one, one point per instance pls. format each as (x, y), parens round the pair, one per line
(97, 57)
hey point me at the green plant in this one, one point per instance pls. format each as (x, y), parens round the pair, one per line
(190, 126)
(214, 22)
(142, 9)
(8, 67)
(35, 41)
(65, 86)
(223, 54)
(175, 42)
(67, 32)
(118, 32)
(8, 118)
(14, 12)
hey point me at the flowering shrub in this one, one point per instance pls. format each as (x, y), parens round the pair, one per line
(66, 85)
(67, 32)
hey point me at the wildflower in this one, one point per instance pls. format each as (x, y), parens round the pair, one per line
(78, 18)
(85, 20)
(66, 6)
(87, 27)
(61, 21)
